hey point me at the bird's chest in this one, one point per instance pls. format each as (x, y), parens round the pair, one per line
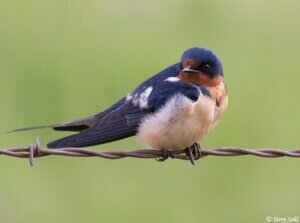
(219, 96)
(178, 126)
(192, 125)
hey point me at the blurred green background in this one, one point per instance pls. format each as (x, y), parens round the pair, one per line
(61, 60)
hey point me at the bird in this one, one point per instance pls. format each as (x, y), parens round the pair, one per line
(171, 111)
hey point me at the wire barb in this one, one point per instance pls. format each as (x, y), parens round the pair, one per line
(35, 150)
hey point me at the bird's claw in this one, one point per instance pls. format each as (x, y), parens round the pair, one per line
(193, 152)
(165, 155)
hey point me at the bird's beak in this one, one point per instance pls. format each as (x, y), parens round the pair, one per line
(189, 70)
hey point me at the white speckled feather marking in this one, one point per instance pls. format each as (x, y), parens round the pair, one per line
(141, 99)
(178, 124)
(172, 79)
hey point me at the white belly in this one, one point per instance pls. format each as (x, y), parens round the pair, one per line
(179, 124)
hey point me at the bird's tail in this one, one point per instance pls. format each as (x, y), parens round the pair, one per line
(31, 128)
(77, 125)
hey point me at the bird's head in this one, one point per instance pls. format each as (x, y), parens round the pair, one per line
(200, 66)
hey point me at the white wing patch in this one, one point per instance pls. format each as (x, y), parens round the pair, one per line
(129, 97)
(143, 101)
(140, 100)
(172, 79)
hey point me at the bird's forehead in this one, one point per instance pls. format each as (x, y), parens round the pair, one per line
(190, 63)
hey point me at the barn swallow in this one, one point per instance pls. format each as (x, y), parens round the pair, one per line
(170, 111)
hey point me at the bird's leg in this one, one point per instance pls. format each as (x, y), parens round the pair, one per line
(193, 152)
(166, 155)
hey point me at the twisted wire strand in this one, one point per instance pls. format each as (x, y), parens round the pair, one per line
(35, 150)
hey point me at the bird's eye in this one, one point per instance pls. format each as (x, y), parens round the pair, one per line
(206, 67)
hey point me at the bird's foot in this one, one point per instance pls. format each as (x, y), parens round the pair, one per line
(166, 154)
(193, 152)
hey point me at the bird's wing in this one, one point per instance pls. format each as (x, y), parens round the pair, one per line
(166, 90)
(120, 123)
(81, 124)
(85, 123)
(124, 121)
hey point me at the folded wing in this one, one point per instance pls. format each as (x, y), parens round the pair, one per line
(118, 124)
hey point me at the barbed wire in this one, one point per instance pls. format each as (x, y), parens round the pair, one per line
(35, 150)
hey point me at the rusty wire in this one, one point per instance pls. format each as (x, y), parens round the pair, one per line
(35, 150)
